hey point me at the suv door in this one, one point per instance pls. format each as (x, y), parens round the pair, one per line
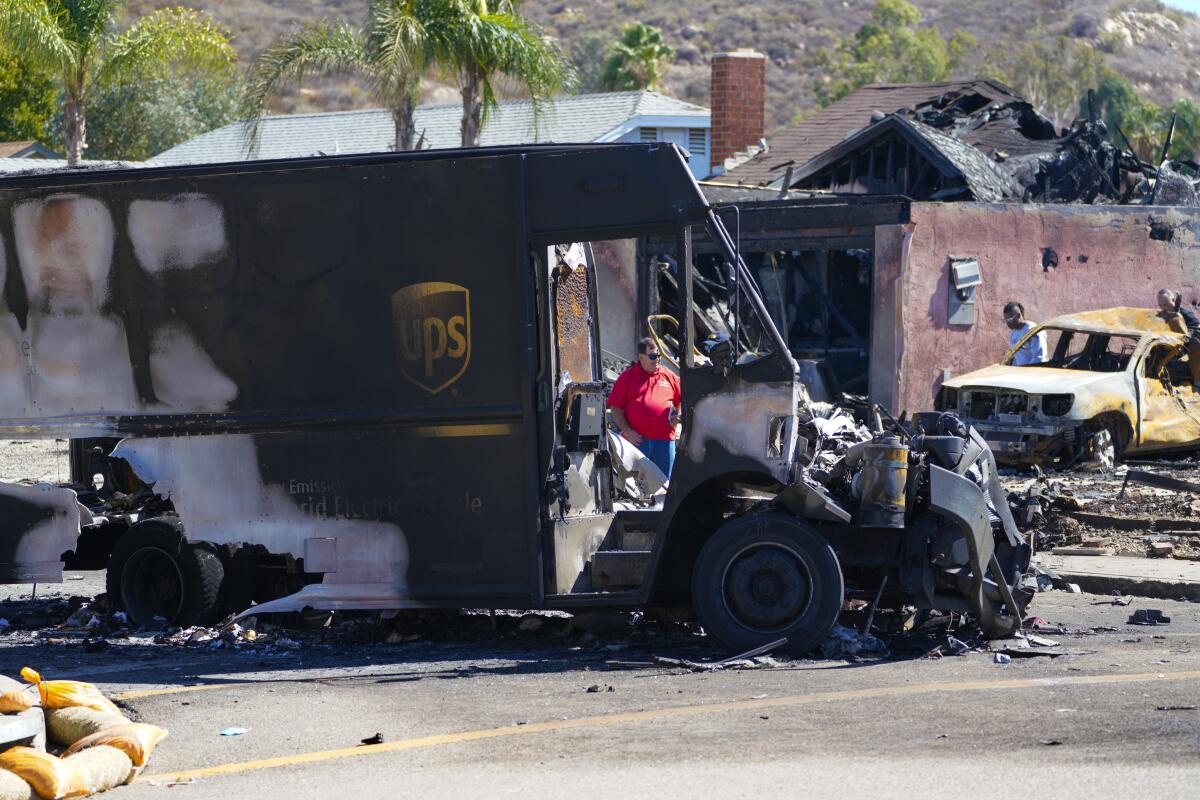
(1168, 405)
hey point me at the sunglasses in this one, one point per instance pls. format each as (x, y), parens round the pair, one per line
(653, 356)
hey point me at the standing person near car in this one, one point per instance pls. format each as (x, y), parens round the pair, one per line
(1034, 350)
(1170, 306)
(645, 404)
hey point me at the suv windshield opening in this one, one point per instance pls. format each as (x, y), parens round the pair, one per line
(1087, 351)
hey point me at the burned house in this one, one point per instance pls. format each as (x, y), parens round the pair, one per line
(886, 248)
(887, 297)
(975, 141)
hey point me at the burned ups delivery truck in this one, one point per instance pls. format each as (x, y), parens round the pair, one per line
(373, 382)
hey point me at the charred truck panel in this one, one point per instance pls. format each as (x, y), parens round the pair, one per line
(374, 382)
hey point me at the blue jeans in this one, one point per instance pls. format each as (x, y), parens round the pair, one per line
(661, 452)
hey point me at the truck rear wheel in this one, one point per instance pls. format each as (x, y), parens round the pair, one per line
(764, 577)
(157, 577)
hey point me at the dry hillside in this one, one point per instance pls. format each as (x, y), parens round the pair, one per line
(1161, 56)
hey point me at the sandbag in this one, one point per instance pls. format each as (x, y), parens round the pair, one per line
(13, 787)
(105, 766)
(65, 694)
(16, 696)
(66, 726)
(50, 777)
(136, 740)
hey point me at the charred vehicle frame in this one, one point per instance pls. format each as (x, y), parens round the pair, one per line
(373, 382)
(1116, 381)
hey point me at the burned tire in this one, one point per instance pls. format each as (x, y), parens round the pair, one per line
(1102, 441)
(764, 577)
(154, 574)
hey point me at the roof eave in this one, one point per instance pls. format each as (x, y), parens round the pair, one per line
(864, 137)
(656, 121)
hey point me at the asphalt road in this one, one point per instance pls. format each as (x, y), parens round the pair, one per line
(510, 715)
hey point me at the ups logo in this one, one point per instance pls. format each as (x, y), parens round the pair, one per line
(432, 324)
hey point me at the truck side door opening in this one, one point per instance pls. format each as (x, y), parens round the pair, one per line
(577, 502)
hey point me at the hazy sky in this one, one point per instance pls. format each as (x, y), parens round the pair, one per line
(1186, 5)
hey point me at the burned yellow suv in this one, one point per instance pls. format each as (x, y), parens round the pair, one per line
(1115, 381)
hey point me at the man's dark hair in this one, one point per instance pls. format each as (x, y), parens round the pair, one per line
(1013, 307)
(645, 344)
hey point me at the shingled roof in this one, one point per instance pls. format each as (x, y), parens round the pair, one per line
(800, 143)
(968, 173)
(26, 149)
(573, 118)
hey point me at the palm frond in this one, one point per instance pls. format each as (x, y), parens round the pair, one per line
(84, 22)
(398, 46)
(33, 29)
(321, 48)
(165, 39)
(514, 47)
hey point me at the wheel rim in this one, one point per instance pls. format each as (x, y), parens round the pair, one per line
(1104, 448)
(766, 587)
(152, 585)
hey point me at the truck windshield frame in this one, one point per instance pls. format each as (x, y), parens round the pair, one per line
(744, 283)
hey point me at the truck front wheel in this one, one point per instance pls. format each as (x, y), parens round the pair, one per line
(764, 577)
(157, 577)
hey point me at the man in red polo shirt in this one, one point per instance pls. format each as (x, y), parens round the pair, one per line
(645, 405)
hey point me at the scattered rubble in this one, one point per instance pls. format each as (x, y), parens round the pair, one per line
(1149, 616)
(847, 643)
(1098, 514)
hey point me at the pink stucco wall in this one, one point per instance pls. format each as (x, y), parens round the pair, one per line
(1106, 258)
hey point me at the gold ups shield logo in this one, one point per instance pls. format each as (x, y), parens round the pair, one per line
(432, 322)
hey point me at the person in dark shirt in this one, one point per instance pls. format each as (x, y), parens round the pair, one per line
(1170, 306)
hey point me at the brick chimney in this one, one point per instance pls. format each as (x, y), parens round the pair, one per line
(738, 103)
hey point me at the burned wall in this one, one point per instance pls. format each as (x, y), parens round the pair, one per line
(1054, 259)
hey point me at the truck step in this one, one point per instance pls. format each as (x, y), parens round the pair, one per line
(636, 539)
(613, 568)
(634, 530)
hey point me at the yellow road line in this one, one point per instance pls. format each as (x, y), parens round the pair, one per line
(140, 693)
(666, 713)
(137, 694)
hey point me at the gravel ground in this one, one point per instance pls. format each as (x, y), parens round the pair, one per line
(34, 461)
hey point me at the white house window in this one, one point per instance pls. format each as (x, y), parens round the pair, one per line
(697, 141)
(648, 134)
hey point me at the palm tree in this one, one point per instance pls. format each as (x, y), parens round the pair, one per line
(391, 51)
(638, 60)
(483, 44)
(75, 40)
(1143, 124)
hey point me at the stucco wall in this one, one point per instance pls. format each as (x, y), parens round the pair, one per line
(1106, 257)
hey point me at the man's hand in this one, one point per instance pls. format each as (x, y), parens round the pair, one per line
(674, 416)
(632, 435)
